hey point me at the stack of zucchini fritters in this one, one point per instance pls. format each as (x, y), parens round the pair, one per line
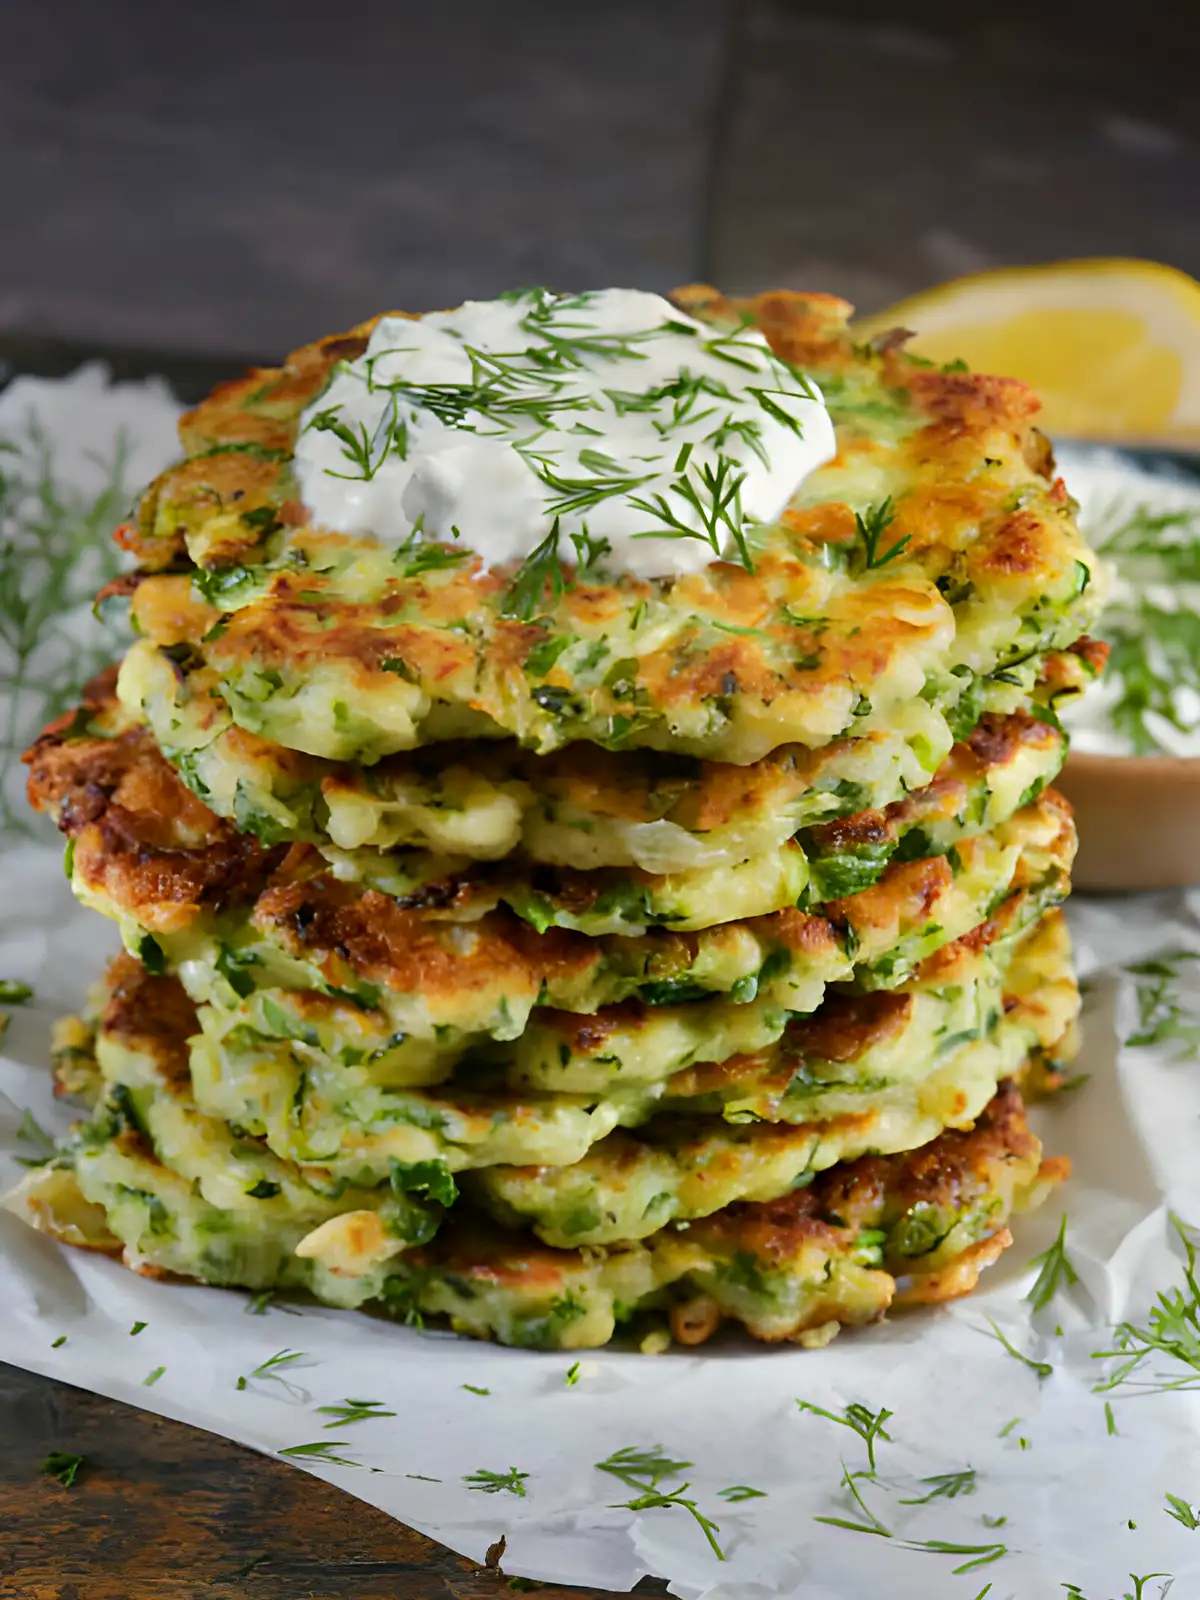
(634, 952)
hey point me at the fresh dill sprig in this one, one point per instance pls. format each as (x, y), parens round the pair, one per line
(324, 1450)
(1155, 649)
(1172, 1331)
(870, 1523)
(680, 394)
(714, 494)
(257, 1305)
(270, 1369)
(353, 1411)
(63, 1466)
(1054, 1270)
(513, 1481)
(474, 1388)
(870, 527)
(30, 1131)
(589, 552)
(741, 1491)
(1183, 1513)
(1042, 1368)
(947, 1486)
(56, 550)
(1162, 1017)
(539, 568)
(744, 428)
(729, 347)
(1074, 1592)
(980, 1555)
(365, 452)
(573, 495)
(642, 1469)
(868, 1425)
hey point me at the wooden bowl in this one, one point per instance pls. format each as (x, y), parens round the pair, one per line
(1138, 819)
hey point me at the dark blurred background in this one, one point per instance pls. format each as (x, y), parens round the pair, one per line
(238, 176)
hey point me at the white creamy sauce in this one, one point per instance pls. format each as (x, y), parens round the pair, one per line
(1110, 488)
(637, 438)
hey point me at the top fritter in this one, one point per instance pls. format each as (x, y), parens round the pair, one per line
(618, 581)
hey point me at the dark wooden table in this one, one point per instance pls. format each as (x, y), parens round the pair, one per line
(161, 1511)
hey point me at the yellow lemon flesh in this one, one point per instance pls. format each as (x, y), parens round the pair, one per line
(1112, 346)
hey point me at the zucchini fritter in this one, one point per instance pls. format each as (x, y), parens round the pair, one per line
(283, 938)
(341, 648)
(583, 806)
(880, 1231)
(881, 1071)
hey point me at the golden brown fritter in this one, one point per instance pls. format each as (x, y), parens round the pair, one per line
(334, 646)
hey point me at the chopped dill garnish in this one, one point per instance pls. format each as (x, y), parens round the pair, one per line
(1162, 1016)
(1155, 649)
(56, 550)
(714, 494)
(1043, 1368)
(512, 1481)
(59, 1464)
(541, 567)
(946, 1485)
(322, 1451)
(1172, 1332)
(30, 1131)
(353, 1411)
(642, 1470)
(868, 1425)
(870, 526)
(1054, 1270)
(1182, 1512)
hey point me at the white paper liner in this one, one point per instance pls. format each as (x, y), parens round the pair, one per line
(1081, 1507)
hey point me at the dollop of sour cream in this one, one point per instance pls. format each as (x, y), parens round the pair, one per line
(609, 423)
(1112, 489)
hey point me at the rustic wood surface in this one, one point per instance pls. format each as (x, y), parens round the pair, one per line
(161, 1511)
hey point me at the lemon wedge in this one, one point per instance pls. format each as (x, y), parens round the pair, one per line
(1111, 345)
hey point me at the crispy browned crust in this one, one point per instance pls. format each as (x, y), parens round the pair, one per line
(956, 1169)
(141, 837)
(149, 1015)
(913, 886)
(993, 742)
(328, 922)
(1073, 669)
(995, 1159)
